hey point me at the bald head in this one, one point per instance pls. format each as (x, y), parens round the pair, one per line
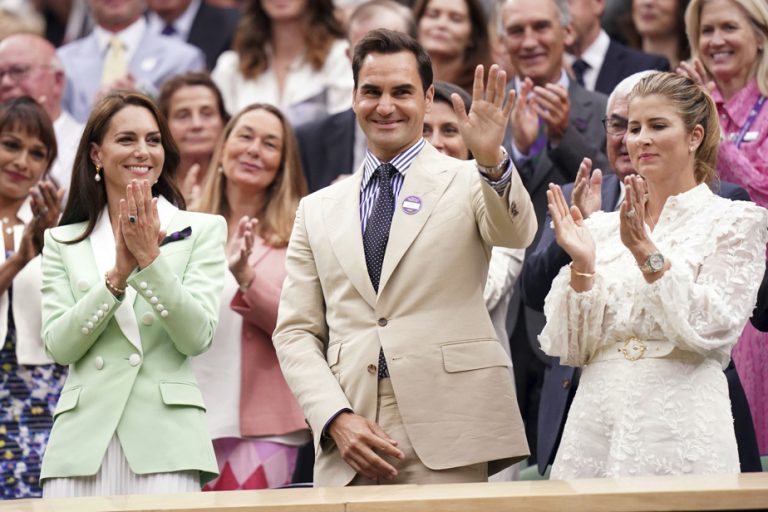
(30, 67)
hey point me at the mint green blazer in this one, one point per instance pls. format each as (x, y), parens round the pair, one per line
(129, 370)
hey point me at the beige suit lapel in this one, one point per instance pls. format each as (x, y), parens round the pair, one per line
(341, 213)
(427, 180)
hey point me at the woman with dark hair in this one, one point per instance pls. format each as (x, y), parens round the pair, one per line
(195, 111)
(654, 300)
(455, 34)
(29, 381)
(291, 54)
(131, 289)
(658, 27)
(255, 182)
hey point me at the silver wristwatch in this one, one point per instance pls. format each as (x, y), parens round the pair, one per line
(654, 263)
(496, 169)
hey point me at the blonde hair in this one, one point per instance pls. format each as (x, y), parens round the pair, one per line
(695, 106)
(757, 14)
(283, 194)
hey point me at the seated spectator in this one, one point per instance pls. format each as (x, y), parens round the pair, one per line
(455, 34)
(255, 182)
(729, 40)
(654, 299)
(598, 61)
(335, 146)
(30, 381)
(121, 53)
(658, 27)
(30, 67)
(195, 111)
(290, 54)
(205, 26)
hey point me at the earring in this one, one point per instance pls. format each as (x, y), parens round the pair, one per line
(98, 176)
(221, 169)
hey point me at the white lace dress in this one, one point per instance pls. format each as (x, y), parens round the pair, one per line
(658, 415)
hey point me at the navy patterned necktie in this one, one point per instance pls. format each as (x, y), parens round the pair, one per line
(579, 67)
(376, 236)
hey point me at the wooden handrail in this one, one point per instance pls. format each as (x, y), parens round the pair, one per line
(709, 492)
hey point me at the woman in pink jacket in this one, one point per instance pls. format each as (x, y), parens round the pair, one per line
(255, 181)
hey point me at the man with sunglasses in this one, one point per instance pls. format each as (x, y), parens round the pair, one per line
(590, 194)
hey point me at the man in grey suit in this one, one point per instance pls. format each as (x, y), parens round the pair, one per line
(555, 123)
(121, 53)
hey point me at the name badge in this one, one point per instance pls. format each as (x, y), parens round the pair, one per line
(411, 205)
(750, 136)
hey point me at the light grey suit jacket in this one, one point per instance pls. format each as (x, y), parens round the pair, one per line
(157, 58)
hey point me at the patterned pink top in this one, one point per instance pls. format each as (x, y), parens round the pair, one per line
(746, 165)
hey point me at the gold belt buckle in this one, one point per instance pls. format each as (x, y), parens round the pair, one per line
(633, 349)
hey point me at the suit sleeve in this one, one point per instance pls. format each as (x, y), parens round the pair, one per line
(70, 326)
(506, 220)
(302, 333)
(192, 302)
(541, 267)
(573, 147)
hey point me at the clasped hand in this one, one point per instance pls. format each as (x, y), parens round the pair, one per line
(46, 209)
(138, 236)
(550, 103)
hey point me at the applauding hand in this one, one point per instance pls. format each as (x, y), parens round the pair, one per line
(239, 249)
(570, 232)
(587, 190)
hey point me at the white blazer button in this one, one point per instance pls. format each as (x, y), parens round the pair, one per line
(94, 318)
(89, 324)
(154, 300)
(159, 307)
(164, 313)
(148, 319)
(105, 307)
(99, 313)
(148, 293)
(134, 360)
(83, 285)
(85, 330)
(143, 285)
(99, 362)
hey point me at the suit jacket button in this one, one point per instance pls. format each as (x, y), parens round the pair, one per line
(99, 362)
(148, 319)
(566, 383)
(83, 285)
(382, 322)
(134, 360)
(371, 368)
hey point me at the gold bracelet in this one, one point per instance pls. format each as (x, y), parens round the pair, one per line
(580, 274)
(111, 287)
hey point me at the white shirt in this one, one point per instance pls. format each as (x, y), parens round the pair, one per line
(594, 55)
(68, 133)
(308, 94)
(129, 36)
(182, 25)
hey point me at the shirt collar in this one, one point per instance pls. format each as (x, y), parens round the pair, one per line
(595, 54)
(739, 106)
(130, 36)
(182, 24)
(402, 162)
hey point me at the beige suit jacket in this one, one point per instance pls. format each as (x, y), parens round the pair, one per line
(449, 372)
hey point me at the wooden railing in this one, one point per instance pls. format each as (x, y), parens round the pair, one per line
(722, 492)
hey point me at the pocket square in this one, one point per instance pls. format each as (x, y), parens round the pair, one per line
(177, 235)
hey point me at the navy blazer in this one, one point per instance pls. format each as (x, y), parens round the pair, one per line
(212, 31)
(621, 61)
(539, 270)
(327, 148)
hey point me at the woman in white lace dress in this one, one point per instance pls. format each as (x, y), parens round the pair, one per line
(654, 300)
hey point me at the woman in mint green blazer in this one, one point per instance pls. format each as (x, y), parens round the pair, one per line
(131, 287)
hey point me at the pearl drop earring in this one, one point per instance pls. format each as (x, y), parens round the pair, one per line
(98, 176)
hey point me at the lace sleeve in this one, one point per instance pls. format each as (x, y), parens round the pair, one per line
(706, 310)
(574, 320)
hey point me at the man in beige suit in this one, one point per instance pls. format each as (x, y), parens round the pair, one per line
(382, 330)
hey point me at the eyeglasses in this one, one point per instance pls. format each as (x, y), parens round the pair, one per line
(615, 125)
(18, 72)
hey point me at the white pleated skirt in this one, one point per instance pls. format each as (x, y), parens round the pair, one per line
(116, 478)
